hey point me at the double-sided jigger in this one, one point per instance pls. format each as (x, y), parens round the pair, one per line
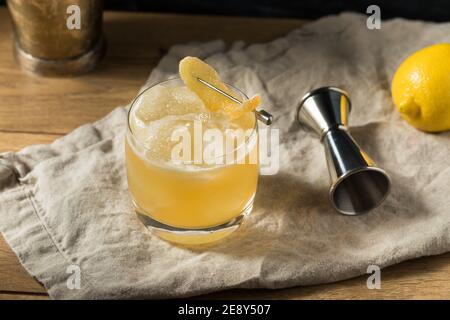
(357, 185)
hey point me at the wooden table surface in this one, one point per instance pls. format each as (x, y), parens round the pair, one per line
(38, 110)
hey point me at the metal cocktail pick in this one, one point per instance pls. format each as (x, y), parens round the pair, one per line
(357, 185)
(261, 115)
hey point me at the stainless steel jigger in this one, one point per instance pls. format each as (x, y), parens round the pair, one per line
(357, 185)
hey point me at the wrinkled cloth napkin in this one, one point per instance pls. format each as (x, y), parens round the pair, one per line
(66, 204)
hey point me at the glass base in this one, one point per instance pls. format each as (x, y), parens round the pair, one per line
(193, 236)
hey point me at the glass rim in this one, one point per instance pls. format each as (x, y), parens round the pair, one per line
(254, 129)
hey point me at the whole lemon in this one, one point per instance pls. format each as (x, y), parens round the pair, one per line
(421, 88)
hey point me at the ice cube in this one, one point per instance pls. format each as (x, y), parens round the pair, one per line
(162, 101)
(165, 113)
(157, 135)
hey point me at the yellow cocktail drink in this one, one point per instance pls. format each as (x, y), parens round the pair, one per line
(191, 172)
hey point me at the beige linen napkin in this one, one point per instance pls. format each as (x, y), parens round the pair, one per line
(65, 205)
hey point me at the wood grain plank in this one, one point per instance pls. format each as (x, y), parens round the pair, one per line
(423, 278)
(135, 45)
(23, 296)
(13, 277)
(15, 141)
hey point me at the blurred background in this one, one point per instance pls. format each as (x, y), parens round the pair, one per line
(432, 10)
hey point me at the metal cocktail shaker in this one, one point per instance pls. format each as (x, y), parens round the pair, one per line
(45, 42)
(357, 185)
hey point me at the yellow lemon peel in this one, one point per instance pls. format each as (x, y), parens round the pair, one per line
(191, 69)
